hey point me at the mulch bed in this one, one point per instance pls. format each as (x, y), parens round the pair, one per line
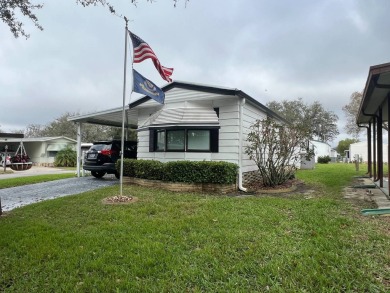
(118, 199)
(288, 186)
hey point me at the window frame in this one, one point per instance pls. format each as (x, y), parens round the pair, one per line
(213, 139)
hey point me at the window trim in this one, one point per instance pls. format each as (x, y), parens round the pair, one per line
(213, 132)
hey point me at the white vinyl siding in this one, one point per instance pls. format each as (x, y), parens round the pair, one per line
(229, 120)
(250, 115)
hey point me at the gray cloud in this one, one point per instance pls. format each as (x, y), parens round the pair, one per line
(273, 50)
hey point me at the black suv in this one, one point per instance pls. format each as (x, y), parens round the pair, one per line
(100, 159)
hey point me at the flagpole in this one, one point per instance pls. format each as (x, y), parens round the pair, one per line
(123, 111)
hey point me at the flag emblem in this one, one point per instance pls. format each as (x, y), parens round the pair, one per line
(144, 86)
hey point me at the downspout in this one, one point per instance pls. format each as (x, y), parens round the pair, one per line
(240, 137)
(78, 148)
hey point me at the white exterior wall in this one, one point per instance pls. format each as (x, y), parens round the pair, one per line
(321, 149)
(250, 115)
(361, 149)
(228, 133)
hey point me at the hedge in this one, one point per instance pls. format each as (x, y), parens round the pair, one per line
(324, 160)
(181, 171)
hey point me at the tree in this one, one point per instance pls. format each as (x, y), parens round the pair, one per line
(351, 111)
(34, 130)
(313, 118)
(276, 149)
(62, 127)
(344, 145)
(9, 10)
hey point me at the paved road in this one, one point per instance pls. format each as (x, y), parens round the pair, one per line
(23, 195)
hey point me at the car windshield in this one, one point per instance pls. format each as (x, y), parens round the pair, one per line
(99, 147)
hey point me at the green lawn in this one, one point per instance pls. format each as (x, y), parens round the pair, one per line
(172, 242)
(19, 181)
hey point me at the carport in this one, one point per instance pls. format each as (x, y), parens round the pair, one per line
(111, 117)
(374, 110)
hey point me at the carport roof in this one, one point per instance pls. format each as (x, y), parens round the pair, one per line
(110, 117)
(376, 94)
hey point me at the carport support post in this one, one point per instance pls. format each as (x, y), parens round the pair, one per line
(388, 141)
(369, 150)
(78, 148)
(380, 147)
(5, 158)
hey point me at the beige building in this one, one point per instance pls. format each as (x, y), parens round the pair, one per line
(41, 150)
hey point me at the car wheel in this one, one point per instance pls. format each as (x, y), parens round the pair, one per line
(117, 175)
(98, 174)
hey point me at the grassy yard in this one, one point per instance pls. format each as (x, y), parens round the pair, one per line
(172, 242)
(19, 181)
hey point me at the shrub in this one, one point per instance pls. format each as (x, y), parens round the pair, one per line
(66, 158)
(324, 159)
(149, 169)
(181, 171)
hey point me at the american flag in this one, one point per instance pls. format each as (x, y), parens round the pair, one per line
(142, 51)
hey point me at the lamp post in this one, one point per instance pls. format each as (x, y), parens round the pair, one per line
(5, 158)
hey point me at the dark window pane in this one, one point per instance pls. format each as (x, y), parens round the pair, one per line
(198, 140)
(175, 140)
(160, 140)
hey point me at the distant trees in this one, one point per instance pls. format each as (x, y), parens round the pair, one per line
(351, 111)
(62, 127)
(343, 145)
(10, 10)
(319, 123)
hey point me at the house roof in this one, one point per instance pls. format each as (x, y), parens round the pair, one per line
(39, 139)
(211, 89)
(376, 94)
(113, 117)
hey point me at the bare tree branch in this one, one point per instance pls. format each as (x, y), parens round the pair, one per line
(10, 8)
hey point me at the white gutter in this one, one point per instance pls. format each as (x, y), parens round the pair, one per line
(240, 152)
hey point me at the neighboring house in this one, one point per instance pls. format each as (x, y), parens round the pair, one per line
(361, 149)
(197, 122)
(334, 155)
(321, 149)
(41, 150)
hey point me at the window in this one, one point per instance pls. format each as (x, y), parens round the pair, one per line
(175, 140)
(160, 140)
(198, 140)
(183, 140)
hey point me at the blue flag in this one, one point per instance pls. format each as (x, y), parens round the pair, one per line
(146, 87)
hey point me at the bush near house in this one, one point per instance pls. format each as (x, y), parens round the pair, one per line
(324, 159)
(181, 171)
(66, 158)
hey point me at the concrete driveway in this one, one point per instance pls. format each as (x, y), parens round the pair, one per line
(23, 195)
(35, 170)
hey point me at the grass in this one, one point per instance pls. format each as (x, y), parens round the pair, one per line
(172, 242)
(20, 181)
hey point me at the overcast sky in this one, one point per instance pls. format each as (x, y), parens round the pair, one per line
(270, 49)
